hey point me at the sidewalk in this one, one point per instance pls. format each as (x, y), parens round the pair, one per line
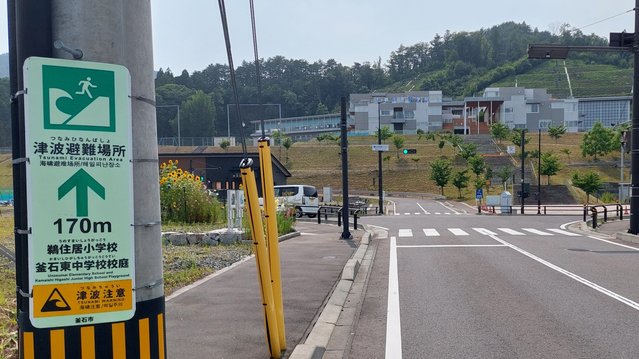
(222, 317)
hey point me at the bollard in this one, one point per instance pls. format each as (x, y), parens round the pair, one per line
(355, 220)
(594, 217)
(339, 218)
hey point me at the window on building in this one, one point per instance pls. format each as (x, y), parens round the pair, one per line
(533, 108)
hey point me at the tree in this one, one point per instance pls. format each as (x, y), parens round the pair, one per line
(499, 131)
(556, 132)
(588, 182)
(198, 116)
(567, 152)
(225, 145)
(468, 150)
(460, 180)
(505, 173)
(385, 133)
(398, 141)
(287, 142)
(420, 134)
(598, 141)
(516, 138)
(441, 145)
(441, 170)
(477, 165)
(550, 165)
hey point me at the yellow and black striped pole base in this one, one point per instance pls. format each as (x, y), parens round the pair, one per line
(141, 337)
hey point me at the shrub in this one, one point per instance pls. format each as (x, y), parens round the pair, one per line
(184, 198)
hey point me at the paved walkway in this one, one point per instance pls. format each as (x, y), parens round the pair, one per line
(222, 317)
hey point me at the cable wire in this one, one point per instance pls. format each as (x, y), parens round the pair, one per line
(258, 76)
(229, 54)
(602, 20)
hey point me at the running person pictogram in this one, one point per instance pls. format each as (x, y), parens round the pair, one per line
(85, 84)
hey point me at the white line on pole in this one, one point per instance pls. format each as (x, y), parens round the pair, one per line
(393, 323)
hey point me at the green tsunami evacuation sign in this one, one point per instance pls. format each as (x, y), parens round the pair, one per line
(78, 98)
(79, 180)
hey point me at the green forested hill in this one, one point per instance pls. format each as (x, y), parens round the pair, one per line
(457, 63)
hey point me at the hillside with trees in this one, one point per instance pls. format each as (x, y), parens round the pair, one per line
(457, 63)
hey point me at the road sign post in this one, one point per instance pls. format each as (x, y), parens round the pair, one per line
(79, 192)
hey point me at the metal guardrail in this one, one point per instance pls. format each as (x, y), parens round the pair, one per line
(618, 208)
(327, 211)
(548, 209)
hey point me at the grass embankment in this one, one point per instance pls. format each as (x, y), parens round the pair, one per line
(319, 164)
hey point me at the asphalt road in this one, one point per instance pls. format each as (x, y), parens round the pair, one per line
(461, 285)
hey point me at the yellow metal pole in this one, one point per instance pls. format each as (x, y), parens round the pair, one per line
(270, 207)
(261, 255)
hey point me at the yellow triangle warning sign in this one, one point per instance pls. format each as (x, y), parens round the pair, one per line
(55, 302)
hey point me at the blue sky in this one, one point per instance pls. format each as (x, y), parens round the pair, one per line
(188, 34)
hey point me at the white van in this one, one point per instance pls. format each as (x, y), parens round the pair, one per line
(302, 197)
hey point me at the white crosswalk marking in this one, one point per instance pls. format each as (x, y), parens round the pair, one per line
(484, 231)
(458, 231)
(406, 214)
(511, 231)
(431, 232)
(561, 231)
(405, 233)
(417, 212)
(437, 213)
(536, 231)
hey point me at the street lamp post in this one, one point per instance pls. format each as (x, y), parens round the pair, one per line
(523, 159)
(539, 173)
(379, 157)
(178, 120)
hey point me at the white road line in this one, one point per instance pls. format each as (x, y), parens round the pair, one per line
(571, 275)
(537, 232)
(406, 214)
(452, 246)
(430, 232)
(484, 231)
(616, 244)
(511, 231)
(458, 231)
(563, 226)
(397, 214)
(393, 322)
(418, 213)
(422, 208)
(405, 233)
(447, 213)
(449, 207)
(437, 213)
(561, 231)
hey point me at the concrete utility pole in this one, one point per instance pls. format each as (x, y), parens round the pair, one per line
(634, 164)
(111, 32)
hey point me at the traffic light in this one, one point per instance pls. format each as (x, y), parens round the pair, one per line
(410, 151)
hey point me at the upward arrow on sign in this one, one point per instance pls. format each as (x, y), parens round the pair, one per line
(81, 181)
